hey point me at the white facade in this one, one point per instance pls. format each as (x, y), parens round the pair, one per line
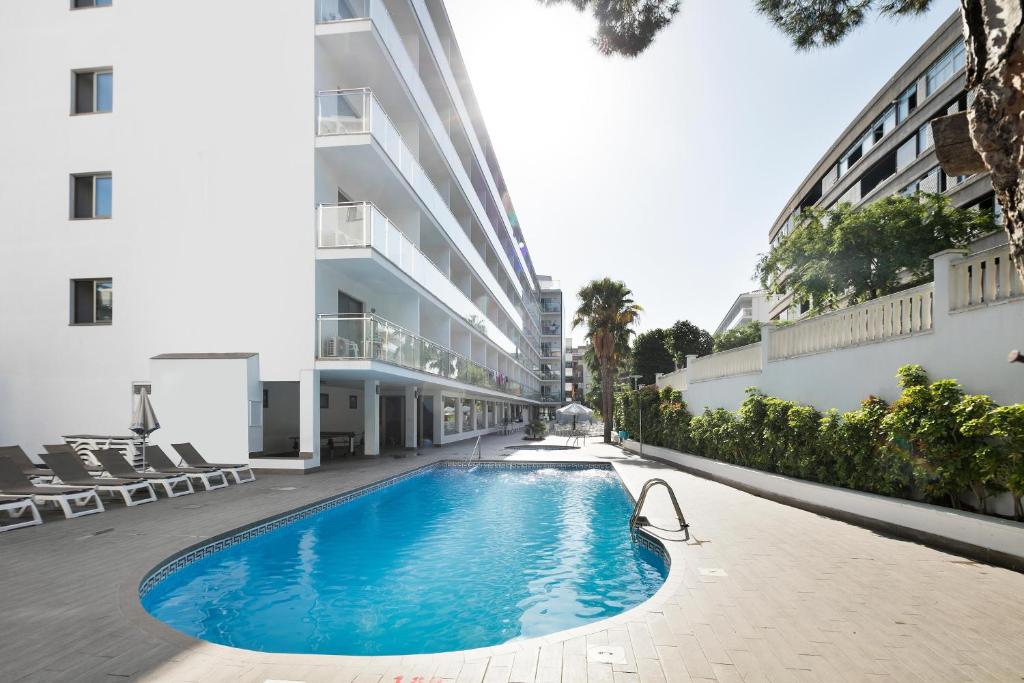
(307, 184)
(748, 307)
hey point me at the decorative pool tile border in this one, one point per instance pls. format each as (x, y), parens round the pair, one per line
(196, 553)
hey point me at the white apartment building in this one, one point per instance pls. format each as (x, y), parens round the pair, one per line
(552, 355)
(285, 218)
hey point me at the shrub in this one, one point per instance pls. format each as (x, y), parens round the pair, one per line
(934, 442)
(536, 429)
(741, 335)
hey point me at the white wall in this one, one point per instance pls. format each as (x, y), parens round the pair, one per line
(210, 245)
(206, 402)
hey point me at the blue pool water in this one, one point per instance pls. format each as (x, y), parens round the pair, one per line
(446, 560)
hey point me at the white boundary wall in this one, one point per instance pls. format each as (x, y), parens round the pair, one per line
(958, 531)
(963, 338)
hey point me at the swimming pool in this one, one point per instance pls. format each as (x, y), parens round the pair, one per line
(451, 558)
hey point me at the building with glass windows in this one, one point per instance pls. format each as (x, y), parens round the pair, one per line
(888, 149)
(552, 355)
(294, 231)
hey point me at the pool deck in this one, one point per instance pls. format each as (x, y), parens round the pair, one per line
(762, 592)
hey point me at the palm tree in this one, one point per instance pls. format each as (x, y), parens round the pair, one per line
(609, 312)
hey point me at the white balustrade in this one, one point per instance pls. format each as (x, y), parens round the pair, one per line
(889, 317)
(984, 278)
(739, 361)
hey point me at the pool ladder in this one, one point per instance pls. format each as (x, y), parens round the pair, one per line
(637, 520)
(477, 452)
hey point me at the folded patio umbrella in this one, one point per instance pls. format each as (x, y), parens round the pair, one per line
(144, 421)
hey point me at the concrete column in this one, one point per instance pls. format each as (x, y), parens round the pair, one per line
(766, 344)
(941, 298)
(411, 417)
(309, 416)
(689, 359)
(371, 417)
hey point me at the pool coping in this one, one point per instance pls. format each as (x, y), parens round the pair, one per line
(132, 590)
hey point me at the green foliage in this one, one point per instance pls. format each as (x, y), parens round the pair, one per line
(741, 335)
(943, 427)
(856, 254)
(625, 27)
(609, 313)
(813, 23)
(536, 429)
(651, 355)
(934, 442)
(685, 338)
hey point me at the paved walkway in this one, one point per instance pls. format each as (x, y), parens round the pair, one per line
(761, 592)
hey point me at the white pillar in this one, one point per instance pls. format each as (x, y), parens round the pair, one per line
(942, 263)
(411, 417)
(766, 344)
(371, 417)
(309, 416)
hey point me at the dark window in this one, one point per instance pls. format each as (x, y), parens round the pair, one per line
(91, 195)
(92, 302)
(94, 91)
(80, 4)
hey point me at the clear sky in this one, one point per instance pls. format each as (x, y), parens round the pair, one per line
(665, 171)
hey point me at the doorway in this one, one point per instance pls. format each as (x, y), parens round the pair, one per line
(393, 419)
(426, 423)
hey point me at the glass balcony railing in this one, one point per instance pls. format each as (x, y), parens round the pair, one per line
(362, 224)
(329, 11)
(370, 337)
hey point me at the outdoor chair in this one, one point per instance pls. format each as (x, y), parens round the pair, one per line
(71, 472)
(115, 465)
(210, 477)
(20, 458)
(91, 467)
(16, 507)
(14, 483)
(192, 458)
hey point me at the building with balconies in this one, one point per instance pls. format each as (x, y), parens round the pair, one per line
(334, 257)
(552, 357)
(888, 148)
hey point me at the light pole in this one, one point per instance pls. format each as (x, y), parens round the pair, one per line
(639, 410)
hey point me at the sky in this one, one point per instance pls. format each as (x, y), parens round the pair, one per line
(664, 171)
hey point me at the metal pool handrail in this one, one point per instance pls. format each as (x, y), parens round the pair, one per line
(636, 519)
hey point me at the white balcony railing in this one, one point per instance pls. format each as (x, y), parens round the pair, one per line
(984, 278)
(370, 337)
(740, 361)
(362, 224)
(897, 315)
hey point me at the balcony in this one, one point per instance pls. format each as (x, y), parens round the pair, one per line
(362, 225)
(372, 338)
(551, 330)
(363, 35)
(348, 123)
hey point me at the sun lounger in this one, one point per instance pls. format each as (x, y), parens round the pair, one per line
(14, 483)
(95, 470)
(115, 465)
(192, 458)
(20, 458)
(16, 507)
(71, 472)
(209, 476)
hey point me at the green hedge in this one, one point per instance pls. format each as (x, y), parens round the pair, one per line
(934, 443)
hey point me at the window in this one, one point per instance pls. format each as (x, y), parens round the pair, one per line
(92, 302)
(82, 4)
(91, 195)
(944, 67)
(906, 153)
(467, 415)
(478, 411)
(924, 137)
(94, 91)
(906, 103)
(451, 425)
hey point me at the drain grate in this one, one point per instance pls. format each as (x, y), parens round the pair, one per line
(96, 533)
(283, 488)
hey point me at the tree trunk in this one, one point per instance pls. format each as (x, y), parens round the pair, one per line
(995, 72)
(608, 404)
